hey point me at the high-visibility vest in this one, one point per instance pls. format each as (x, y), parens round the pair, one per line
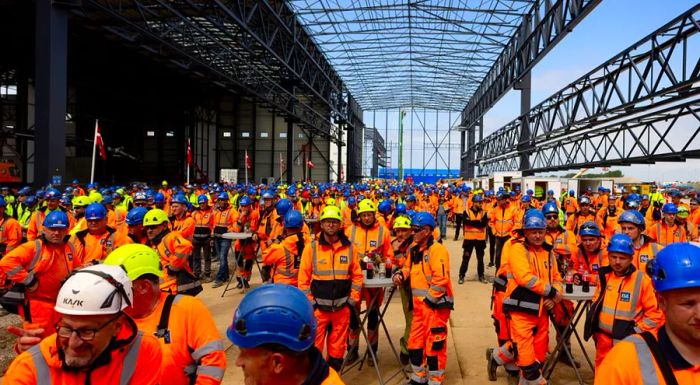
(473, 233)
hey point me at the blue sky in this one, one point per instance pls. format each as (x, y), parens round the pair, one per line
(612, 27)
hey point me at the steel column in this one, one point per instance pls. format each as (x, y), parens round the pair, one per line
(51, 90)
(524, 85)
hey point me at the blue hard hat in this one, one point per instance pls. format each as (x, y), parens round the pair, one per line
(529, 191)
(645, 197)
(621, 243)
(550, 208)
(477, 198)
(676, 193)
(513, 194)
(95, 211)
(352, 201)
(30, 200)
(251, 191)
(283, 206)
(179, 198)
(24, 191)
(400, 209)
(107, 199)
(550, 192)
(2, 202)
(293, 218)
(267, 194)
(633, 197)
(501, 195)
(572, 193)
(676, 266)
(632, 204)
(202, 198)
(75, 181)
(274, 314)
(589, 228)
(66, 201)
(488, 193)
(52, 193)
(140, 196)
(56, 219)
(669, 208)
(632, 216)
(584, 200)
(534, 219)
(384, 207)
(244, 201)
(346, 193)
(135, 216)
(411, 198)
(223, 197)
(423, 218)
(526, 199)
(291, 190)
(159, 197)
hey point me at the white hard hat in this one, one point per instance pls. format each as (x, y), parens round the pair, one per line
(95, 290)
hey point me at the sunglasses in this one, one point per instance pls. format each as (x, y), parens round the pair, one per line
(552, 216)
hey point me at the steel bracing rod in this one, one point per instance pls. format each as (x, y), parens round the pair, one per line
(542, 28)
(669, 133)
(154, 27)
(637, 79)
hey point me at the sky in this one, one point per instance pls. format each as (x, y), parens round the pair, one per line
(611, 27)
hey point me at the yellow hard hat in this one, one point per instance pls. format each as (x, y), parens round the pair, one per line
(95, 197)
(136, 259)
(155, 217)
(82, 201)
(330, 202)
(402, 222)
(366, 206)
(164, 183)
(331, 212)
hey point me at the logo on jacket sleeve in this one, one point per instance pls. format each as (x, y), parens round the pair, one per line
(625, 296)
(643, 258)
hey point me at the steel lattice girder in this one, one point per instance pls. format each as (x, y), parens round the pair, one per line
(256, 47)
(543, 27)
(653, 83)
(421, 54)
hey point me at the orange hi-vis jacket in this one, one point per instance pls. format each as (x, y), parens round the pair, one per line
(608, 223)
(626, 304)
(631, 362)
(265, 225)
(246, 223)
(174, 251)
(94, 248)
(36, 223)
(203, 224)
(49, 263)
(502, 220)
(570, 205)
(575, 221)
(10, 234)
(475, 223)
(563, 242)
(691, 231)
(285, 258)
(185, 226)
(192, 346)
(428, 269)
(135, 359)
(350, 216)
(535, 277)
(460, 204)
(224, 220)
(664, 234)
(591, 263)
(372, 240)
(330, 274)
(645, 253)
(116, 217)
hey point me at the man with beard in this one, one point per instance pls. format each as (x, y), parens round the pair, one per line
(95, 341)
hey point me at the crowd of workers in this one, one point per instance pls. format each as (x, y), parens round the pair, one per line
(121, 267)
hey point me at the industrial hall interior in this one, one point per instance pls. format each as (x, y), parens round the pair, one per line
(365, 192)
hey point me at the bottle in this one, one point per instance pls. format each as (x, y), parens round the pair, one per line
(370, 270)
(569, 279)
(389, 267)
(586, 281)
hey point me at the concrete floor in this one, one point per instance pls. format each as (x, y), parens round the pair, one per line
(470, 333)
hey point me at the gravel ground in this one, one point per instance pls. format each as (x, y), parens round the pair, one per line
(7, 340)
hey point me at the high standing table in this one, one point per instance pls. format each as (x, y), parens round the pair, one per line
(237, 255)
(377, 283)
(583, 302)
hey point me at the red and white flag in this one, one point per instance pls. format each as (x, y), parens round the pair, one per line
(99, 143)
(248, 164)
(282, 165)
(310, 164)
(189, 152)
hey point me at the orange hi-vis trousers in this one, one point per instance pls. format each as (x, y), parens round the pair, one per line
(530, 335)
(427, 343)
(336, 340)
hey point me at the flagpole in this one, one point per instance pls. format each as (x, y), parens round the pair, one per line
(280, 163)
(246, 167)
(188, 160)
(94, 148)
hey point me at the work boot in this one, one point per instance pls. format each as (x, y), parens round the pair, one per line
(491, 365)
(245, 283)
(461, 280)
(352, 355)
(217, 284)
(240, 283)
(369, 361)
(483, 280)
(491, 264)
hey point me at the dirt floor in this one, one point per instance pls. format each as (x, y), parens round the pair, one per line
(7, 341)
(470, 334)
